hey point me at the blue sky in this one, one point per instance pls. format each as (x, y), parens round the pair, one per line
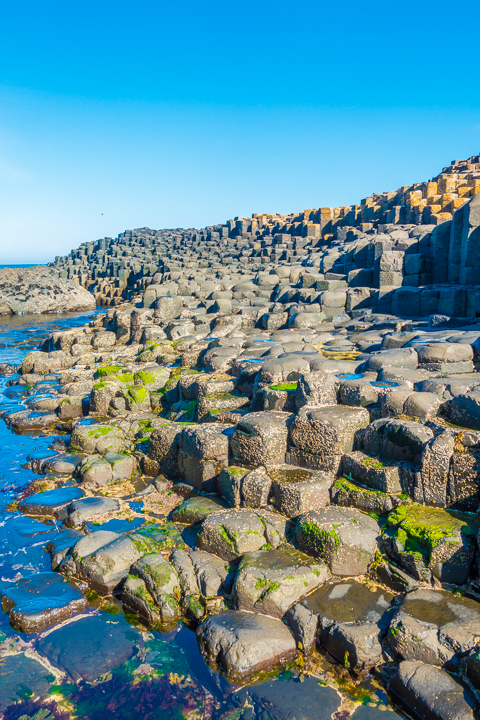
(116, 115)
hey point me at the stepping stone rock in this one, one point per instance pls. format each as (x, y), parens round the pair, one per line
(40, 601)
(346, 493)
(256, 488)
(102, 559)
(344, 538)
(152, 590)
(64, 464)
(432, 693)
(91, 439)
(202, 455)
(51, 503)
(434, 626)
(463, 410)
(196, 509)
(431, 541)
(347, 618)
(232, 533)
(79, 511)
(244, 644)
(325, 433)
(371, 472)
(261, 438)
(26, 420)
(214, 576)
(297, 490)
(270, 581)
(161, 536)
(59, 546)
(96, 470)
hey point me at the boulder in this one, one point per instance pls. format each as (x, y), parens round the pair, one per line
(348, 619)
(432, 693)
(344, 538)
(261, 438)
(232, 533)
(39, 601)
(244, 644)
(270, 581)
(39, 289)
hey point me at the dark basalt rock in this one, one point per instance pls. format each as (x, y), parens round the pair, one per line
(40, 601)
(89, 647)
(348, 619)
(431, 693)
(244, 644)
(51, 503)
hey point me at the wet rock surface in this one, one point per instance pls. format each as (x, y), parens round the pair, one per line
(243, 643)
(432, 693)
(87, 648)
(39, 601)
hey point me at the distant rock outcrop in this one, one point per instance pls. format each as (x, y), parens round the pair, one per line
(39, 290)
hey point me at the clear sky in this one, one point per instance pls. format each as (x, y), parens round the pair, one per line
(115, 115)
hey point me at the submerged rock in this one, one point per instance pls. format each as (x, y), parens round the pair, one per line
(89, 647)
(20, 672)
(51, 503)
(288, 698)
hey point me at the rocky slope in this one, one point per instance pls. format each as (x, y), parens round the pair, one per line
(40, 290)
(348, 240)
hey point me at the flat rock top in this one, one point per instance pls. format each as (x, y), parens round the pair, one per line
(39, 592)
(442, 608)
(51, 499)
(349, 602)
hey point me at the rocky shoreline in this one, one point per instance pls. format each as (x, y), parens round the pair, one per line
(39, 289)
(295, 472)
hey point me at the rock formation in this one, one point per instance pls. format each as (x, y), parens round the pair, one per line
(39, 289)
(303, 411)
(414, 237)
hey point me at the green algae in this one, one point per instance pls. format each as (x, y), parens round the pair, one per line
(228, 536)
(99, 432)
(146, 378)
(348, 485)
(420, 529)
(138, 395)
(105, 371)
(318, 537)
(288, 387)
(371, 462)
